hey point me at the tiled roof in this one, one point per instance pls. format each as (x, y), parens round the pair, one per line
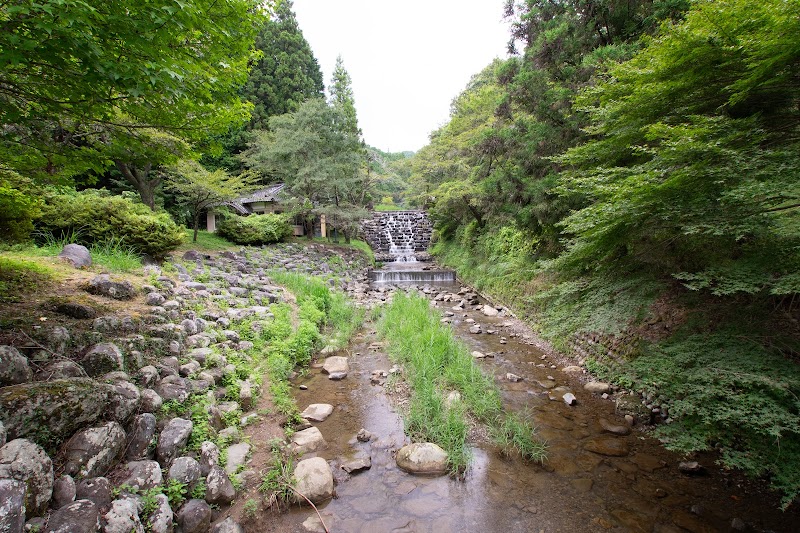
(241, 204)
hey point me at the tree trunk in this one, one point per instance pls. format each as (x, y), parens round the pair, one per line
(139, 179)
(196, 225)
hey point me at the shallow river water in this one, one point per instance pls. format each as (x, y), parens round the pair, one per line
(633, 484)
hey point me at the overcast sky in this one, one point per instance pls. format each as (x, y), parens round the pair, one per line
(408, 58)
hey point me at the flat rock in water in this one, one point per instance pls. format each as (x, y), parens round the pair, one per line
(569, 398)
(614, 428)
(336, 364)
(478, 355)
(608, 446)
(317, 412)
(308, 440)
(357, 465)
(488, 310)
(513, 378)
(422, 458)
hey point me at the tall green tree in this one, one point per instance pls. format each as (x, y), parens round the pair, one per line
(70, 68)
(341, 98)
(318, 160)
(286, 74)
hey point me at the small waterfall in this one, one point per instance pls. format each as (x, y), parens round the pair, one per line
(400, 236)
(412, 276)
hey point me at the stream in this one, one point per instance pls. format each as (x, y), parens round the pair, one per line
(625, 483)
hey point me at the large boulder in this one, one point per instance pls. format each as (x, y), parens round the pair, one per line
(173, 437)
(124, 401)
(103, 285)
(123, 517)
(141, 433)
(314, 480)
(209, 457)
(194, 516)
(96, 489)
(160, 521)
(81, 516)
(60, 370)
(14, 367)
(93, 451)
(12, 505)
(24, 461)
(61, 406)
(143, 475)
(219, 488)
(103, 358)
(185, 470)
(422, 458)
(77, 255)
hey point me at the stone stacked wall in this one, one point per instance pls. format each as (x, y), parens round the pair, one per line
(374, 229)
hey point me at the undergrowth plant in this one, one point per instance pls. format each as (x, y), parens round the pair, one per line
(436, 362)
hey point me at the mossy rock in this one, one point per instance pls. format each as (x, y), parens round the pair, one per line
(48, 412)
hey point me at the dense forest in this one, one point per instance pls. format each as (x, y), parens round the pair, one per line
(631, 174)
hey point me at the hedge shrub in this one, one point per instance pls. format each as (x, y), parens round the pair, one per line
(95, 216)
(19, 205)
(255, 229)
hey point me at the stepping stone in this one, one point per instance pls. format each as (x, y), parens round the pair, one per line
(357, 465)
(317, 412)
(308, 440)
(314, 480)
(422, 458)
(336, 364)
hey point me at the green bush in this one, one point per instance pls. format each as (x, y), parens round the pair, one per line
(19, 205)
(255, 229)
(95, 216)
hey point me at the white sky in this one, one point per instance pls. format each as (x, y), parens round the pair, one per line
(408, 58)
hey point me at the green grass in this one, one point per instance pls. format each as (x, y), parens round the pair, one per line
(112, 254)
(19, 276)
(206, 242)
(354, 244)
(436, 362)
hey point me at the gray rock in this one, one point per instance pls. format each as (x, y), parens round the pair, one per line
(151, 401)
(76, 310)
(228, 525)
(102, 358)
(237, 457)
(77, 255)
(246, 395)
(357, 465)
(57, 339)
(63, 492)
(173, 438)
(597, 387)
(174, 388)
(123, 401)
(81, 516)
(476, 329)
(103, 285)
(185, 470)
(614, 428)
(336, 364)
(12, 505)
(147, 376)
(161, 519)
(97, 490)
(14, 367)
(154, 299)
(60, 370)
(106, 324)
(308, 440)
(488, 310)
(513, 377)
(422, 458)
(143, 474)
(140, 435)
(569, 398)
(194, 516)
(219, 488)
(317, 412)
(209, 457)
(3, 434)
(314, 480)
(189, 326)
(24, 461)
(123, 517)
(93, 451)
(691, 467)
